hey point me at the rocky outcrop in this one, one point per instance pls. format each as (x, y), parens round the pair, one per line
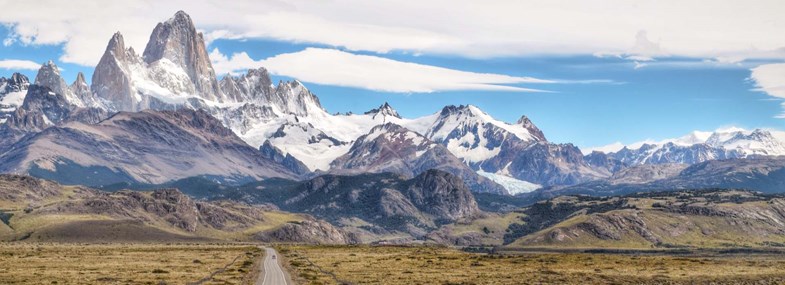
(134, 216)
(713, 218)
(383, 203)
(308, 231)
(442, 195)
(26, 190)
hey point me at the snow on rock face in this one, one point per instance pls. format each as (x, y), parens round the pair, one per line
(393, 148)
(174, 72)
(383, 111)
(12, 94)
(473, 135)
(254, 86)
(49, 76)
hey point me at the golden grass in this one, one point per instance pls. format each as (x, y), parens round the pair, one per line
(31, 263)
(433, 265)
(698, 232)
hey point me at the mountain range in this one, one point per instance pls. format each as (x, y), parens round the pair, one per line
(164, 115)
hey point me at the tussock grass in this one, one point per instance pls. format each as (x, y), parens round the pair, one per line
(439, 265)
(39, 263)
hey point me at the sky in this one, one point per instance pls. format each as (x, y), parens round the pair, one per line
(591, 73)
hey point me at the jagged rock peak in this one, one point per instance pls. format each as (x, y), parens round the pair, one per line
(80, 81)
(116, 45)
(17, 82)
(177, 40)
(452, 109)
(112, 79)
(384, 110)
(526, 123)
(49, 76)
(18, 79)
(294, 98)
(163, 42)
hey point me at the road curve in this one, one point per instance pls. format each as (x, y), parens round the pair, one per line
(273, 273)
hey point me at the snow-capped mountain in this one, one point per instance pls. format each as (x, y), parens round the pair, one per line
(473, 135)
(174, 70)
(47, 102)
(12, 94)
(393, 148)
(704, 146)
(512, 151)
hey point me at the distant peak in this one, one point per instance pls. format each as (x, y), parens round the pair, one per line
(388, 128)
(117, 37)
(19, 79)
(527, 124)
(524, 120)
(452, 109)
(47, 69)
(80, 79)
(173, 39)
(181, 14)
(49, 76)
(384, 110)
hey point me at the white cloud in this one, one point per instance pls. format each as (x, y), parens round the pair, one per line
(691, 28)
(234, 65)
(334, 67)
(17, 64)
(770, 78)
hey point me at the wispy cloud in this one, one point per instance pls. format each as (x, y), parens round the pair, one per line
(340, 68)
(19, 64)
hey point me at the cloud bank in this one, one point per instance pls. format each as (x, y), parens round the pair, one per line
(725, 29)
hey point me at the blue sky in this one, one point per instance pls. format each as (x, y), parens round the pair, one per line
(634, 93)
